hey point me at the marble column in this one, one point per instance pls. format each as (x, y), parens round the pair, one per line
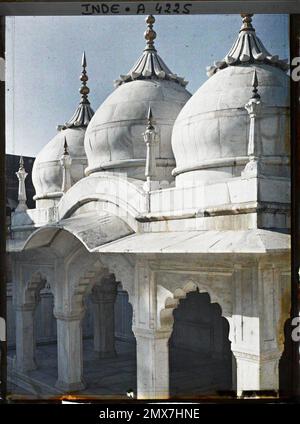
(103, 298)
(25, 337)
(152, 363)
(69, 351)
(258, 320)
(257, 372)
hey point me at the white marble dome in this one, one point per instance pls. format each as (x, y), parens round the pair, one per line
(211, 133)
(114, 138)
(47, 170)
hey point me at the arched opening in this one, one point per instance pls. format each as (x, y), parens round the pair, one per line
(76, 366)
(35, 352)
(109, 347)
(200, 357)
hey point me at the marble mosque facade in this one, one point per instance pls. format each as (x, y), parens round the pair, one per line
(160, 206)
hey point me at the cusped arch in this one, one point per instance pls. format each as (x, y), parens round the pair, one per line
(92, 268)
(166, 315)
(86, 282)
(38, 280)
(123, 270)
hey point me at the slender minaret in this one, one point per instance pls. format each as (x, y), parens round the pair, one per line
(22, 198)
(84, 113)
(66, 162)
(254, 152)
(150, 138)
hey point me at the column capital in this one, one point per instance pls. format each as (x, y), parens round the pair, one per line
(262, 357)
(151, 334)
(69, 316)
(25, 306)
(105, 291)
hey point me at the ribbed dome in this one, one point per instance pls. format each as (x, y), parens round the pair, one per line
(47, 173)
(211, 133)
(114, 138)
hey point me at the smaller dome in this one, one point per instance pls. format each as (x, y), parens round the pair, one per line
(47, 170)
(47, 175)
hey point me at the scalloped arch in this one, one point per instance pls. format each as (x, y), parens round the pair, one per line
(171, 303)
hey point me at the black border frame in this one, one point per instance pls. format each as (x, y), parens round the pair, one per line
(74, 7)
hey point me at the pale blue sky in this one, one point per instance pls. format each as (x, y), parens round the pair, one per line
(44, 55)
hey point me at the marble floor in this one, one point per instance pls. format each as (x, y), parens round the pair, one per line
(108, 377)
(111, 378)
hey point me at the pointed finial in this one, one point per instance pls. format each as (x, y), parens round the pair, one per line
(150, 34)
(84, 113)
(66, 152)
(21, 163)
(83, 61)
(150, 115)
(150, 119)
(255, 94)
(84, 90)
(66, 162)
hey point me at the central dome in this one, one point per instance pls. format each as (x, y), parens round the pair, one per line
(113, 140)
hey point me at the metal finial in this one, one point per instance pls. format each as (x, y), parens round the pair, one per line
(84, 90)
(83, 61)
(21, 163)
(84, 113)
(150, 34)
(247, 22)
(255, 94)
(66, 152)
